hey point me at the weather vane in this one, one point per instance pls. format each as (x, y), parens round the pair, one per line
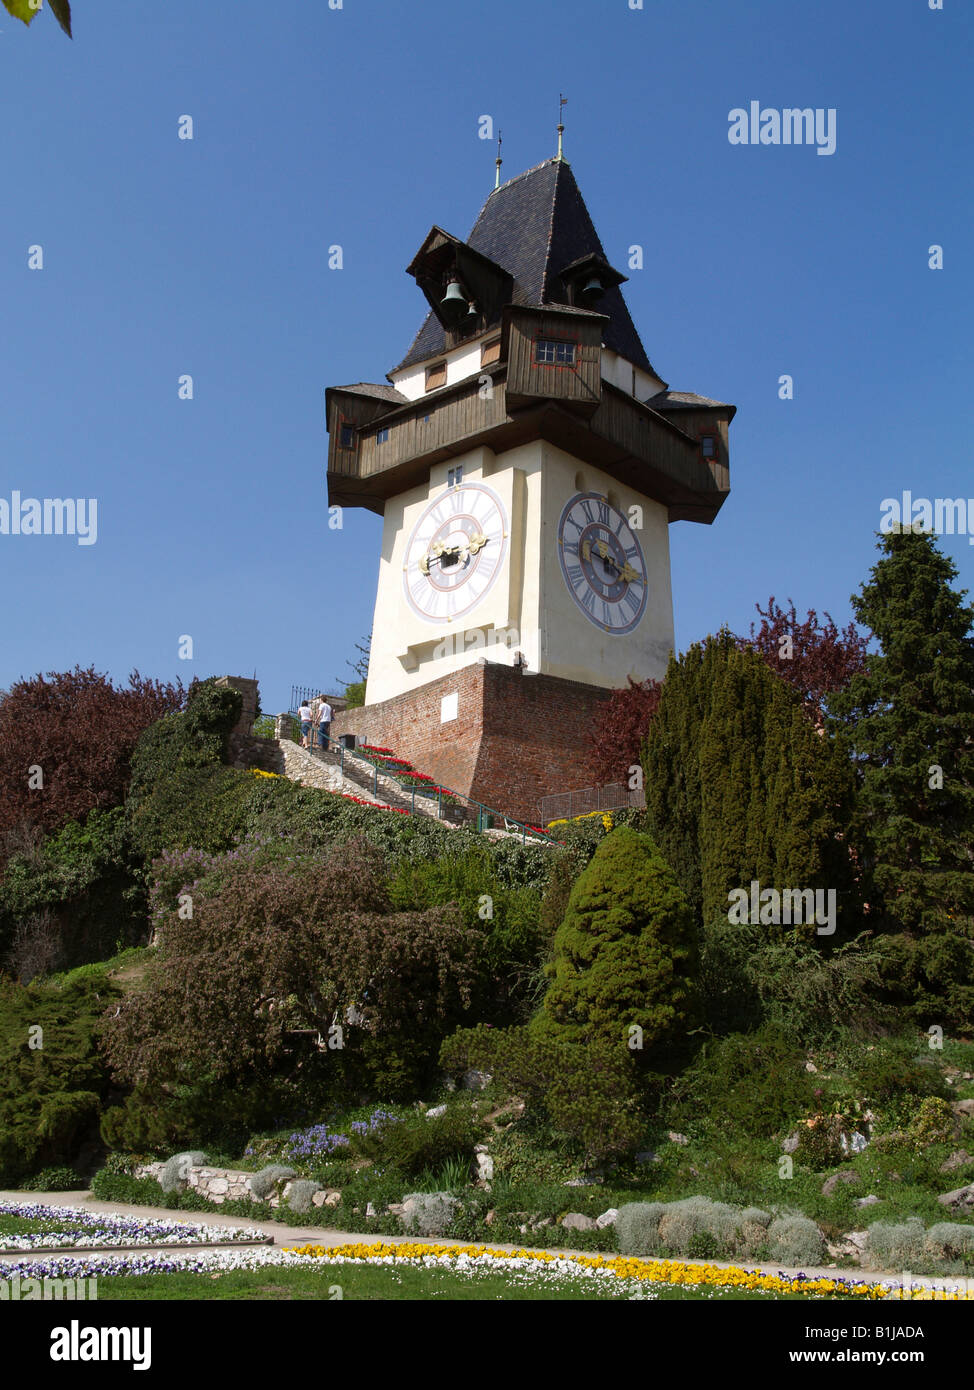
(562, 102)
(499, 161)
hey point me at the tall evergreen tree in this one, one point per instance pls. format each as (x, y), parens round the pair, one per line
(910, 720)
(740, 786)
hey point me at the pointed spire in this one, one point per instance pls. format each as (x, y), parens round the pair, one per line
(498, 161)
(562, 102)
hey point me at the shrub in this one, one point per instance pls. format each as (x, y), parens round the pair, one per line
(300, 1194)
(413, 1144)
(53, 1180)
(949, 1241)
(894, 1245)
(934, 1123)
(175, 1171)
(262, 1184)
(796, 1240)
(750, 1083)
(890, 1071)
(699, 1226)
(624, 954)
(81, 730)
(429, 1213)
(819, 1142)
(122, 1187)
(53, 1082)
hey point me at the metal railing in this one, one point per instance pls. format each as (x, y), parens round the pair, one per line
(612, 797)
(302, 693)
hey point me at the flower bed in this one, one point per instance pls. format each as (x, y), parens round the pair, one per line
(75, 1226)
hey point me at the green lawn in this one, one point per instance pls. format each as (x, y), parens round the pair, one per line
(382, 1282)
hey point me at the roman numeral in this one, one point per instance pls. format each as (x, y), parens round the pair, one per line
(588, 601)
(587, 509)
(604, 513)
(575, 576)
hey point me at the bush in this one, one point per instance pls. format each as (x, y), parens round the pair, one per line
(950, 1242)
(748, 1083)
(53, 1082)
(262, 1184)
(122, 1187)
(934, 1123)
(693, 1227)
(414, 1144)
(429, 1213)
(890, 1071)
(175, 1171)
(796, 1240)
(894, 1245)
(637, 1227)
(53, 1180)
(624, 955)
(300, 1194)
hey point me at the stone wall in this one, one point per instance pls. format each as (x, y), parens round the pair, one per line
(232, 1184)
(515, 738)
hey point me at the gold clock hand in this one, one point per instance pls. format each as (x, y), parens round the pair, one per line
(476, 543)
(628, 573)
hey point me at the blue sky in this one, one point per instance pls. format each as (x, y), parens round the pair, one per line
(359, 126)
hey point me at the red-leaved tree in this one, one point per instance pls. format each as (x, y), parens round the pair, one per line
(66, 740)
(617, 739)
(816, 658)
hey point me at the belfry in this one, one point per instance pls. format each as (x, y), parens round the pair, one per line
(527, 460)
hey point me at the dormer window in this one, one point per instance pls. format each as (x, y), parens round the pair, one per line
(552, 352)
(436, 376)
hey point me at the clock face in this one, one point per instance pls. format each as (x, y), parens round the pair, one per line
(455, 553)
(603, 563)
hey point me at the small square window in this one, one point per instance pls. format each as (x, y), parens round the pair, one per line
(348, 437)
(551, 352)
(382, 436)
(454, 476)
(436, 376)
(708, 446)
(490, 352)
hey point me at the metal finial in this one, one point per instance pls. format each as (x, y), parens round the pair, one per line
(562, 102)
(499, 161)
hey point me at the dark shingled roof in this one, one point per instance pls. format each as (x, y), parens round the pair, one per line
(375, 388)
(534, 226)
(674, 400)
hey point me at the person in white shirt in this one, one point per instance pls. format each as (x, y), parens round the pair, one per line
(324, 722)
(304, 714)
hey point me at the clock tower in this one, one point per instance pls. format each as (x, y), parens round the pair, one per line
(527, 460)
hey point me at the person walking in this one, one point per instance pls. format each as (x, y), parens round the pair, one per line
(304, 714)
(324, 723)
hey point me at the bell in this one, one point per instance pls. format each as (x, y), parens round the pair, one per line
(471, 315)
(592, 288)
(454, 302)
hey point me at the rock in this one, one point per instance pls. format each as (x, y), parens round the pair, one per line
(332, 1199)
(810, 1066)
(576, 1221)
(869, 1201)
(647, 1156)
(957, 1159)
(485, 1167)
(960, 1197)
(963, 1107)
(370, 1210)
(675, 1138)
(319, 1198)
(830, 1184)
(474, 1080)
(857, 1239)
(542, 1224)
(490, 1218)
(436, 1112)
(395, 1209)
(583, 1182)
(853, 1143)
(791, 1143)
(608, 1218)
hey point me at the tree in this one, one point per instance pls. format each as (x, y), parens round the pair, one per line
(617, 738)
(624, 955)
(909, 717)
(740, 786)
(66, 743)
(816, 658)
(27, 9)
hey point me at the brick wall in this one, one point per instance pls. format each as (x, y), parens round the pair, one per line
(516, 738)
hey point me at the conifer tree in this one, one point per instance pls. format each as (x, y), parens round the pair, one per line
(624, 955)
(740, 786)
(910, 720)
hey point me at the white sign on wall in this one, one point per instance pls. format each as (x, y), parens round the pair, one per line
(449, 706)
